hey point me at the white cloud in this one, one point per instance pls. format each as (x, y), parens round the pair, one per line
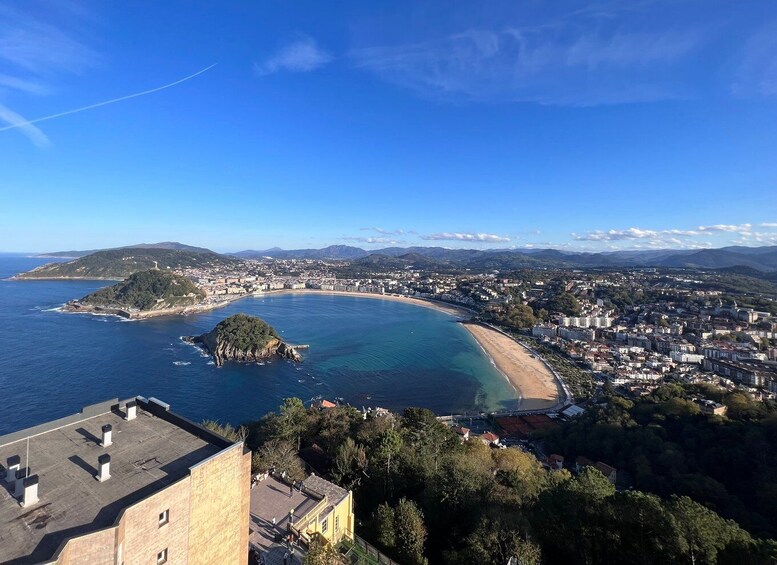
(35, 52)
(634, 233)
(479, 237)
(388, 232)
(588, 60)
(757, 73)
(303, 55)
(768, 225)
(21, 123)
(383, 240)
(726, 228)
(39, 47)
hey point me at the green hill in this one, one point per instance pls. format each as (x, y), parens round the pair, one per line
(161, 245)
(147, 290)
(121, 263)
(243, 339)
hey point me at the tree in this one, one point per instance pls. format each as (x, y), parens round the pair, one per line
(336, 424)
(565, 303)
(292, 420)
(464, 479)
(703, 533)
(350, 464)
(383, 526)
(410, 532)
(401, 531)
(227, 430)
(389, 446)
(280, 455)
(427, 435)
(645, 531)
(497, 540)
(320, 552)
(520, 472)
(520, 316)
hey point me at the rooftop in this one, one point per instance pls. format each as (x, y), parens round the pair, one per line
(273, 499)
(148, 453)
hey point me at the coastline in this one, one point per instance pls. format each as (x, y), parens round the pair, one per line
(535, 385)
(73, 308)
(20, 278)
(533, 381)
(458, 311)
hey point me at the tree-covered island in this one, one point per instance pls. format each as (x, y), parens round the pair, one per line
(244, 339)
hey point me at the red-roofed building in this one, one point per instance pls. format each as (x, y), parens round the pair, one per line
(490, 438)
(462, 432)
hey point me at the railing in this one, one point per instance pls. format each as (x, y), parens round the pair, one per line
(363, 553)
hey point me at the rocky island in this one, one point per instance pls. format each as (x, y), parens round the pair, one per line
(244, 339)
(142, 295)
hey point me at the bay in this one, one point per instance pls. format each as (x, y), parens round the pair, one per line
(365, 351)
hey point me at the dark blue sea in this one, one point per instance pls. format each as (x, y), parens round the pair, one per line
(365, 351)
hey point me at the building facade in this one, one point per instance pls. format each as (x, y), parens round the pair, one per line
(124, 483)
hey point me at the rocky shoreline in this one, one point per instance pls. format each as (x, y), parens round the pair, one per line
(222, 348)
(74, 306)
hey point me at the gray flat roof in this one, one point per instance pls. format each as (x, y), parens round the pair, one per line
(148, 453)
(270, 499)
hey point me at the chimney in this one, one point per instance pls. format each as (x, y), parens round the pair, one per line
(132, 408)
(21, 474)
(107, 431)
(104, 466)
(30, 485)
(12, 465)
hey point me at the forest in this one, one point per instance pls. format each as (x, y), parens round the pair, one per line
(424, 496)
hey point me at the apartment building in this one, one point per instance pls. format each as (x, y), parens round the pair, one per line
(123, 483)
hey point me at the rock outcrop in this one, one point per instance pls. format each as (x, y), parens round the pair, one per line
(243, 339)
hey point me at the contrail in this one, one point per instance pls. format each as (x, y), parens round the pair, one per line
(113, 101)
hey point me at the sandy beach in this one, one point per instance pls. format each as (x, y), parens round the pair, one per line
(533, 380)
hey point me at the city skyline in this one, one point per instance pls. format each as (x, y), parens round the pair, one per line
(572, 127)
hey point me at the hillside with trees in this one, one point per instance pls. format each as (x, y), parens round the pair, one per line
(147, 290)
(121, 263)
(668, 447)
(422, 496)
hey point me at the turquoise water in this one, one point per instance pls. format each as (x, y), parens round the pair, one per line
(366, 351)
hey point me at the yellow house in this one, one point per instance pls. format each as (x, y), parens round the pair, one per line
(331, 515)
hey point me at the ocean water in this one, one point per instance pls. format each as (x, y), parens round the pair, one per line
(367, 352)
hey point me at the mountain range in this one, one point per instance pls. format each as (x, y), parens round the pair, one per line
(760, 258)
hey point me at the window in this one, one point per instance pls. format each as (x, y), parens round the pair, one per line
(324, 525)
(161, 557)
(164, 517)
(337, 523)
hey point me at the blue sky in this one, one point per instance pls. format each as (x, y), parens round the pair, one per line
(575, 125)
